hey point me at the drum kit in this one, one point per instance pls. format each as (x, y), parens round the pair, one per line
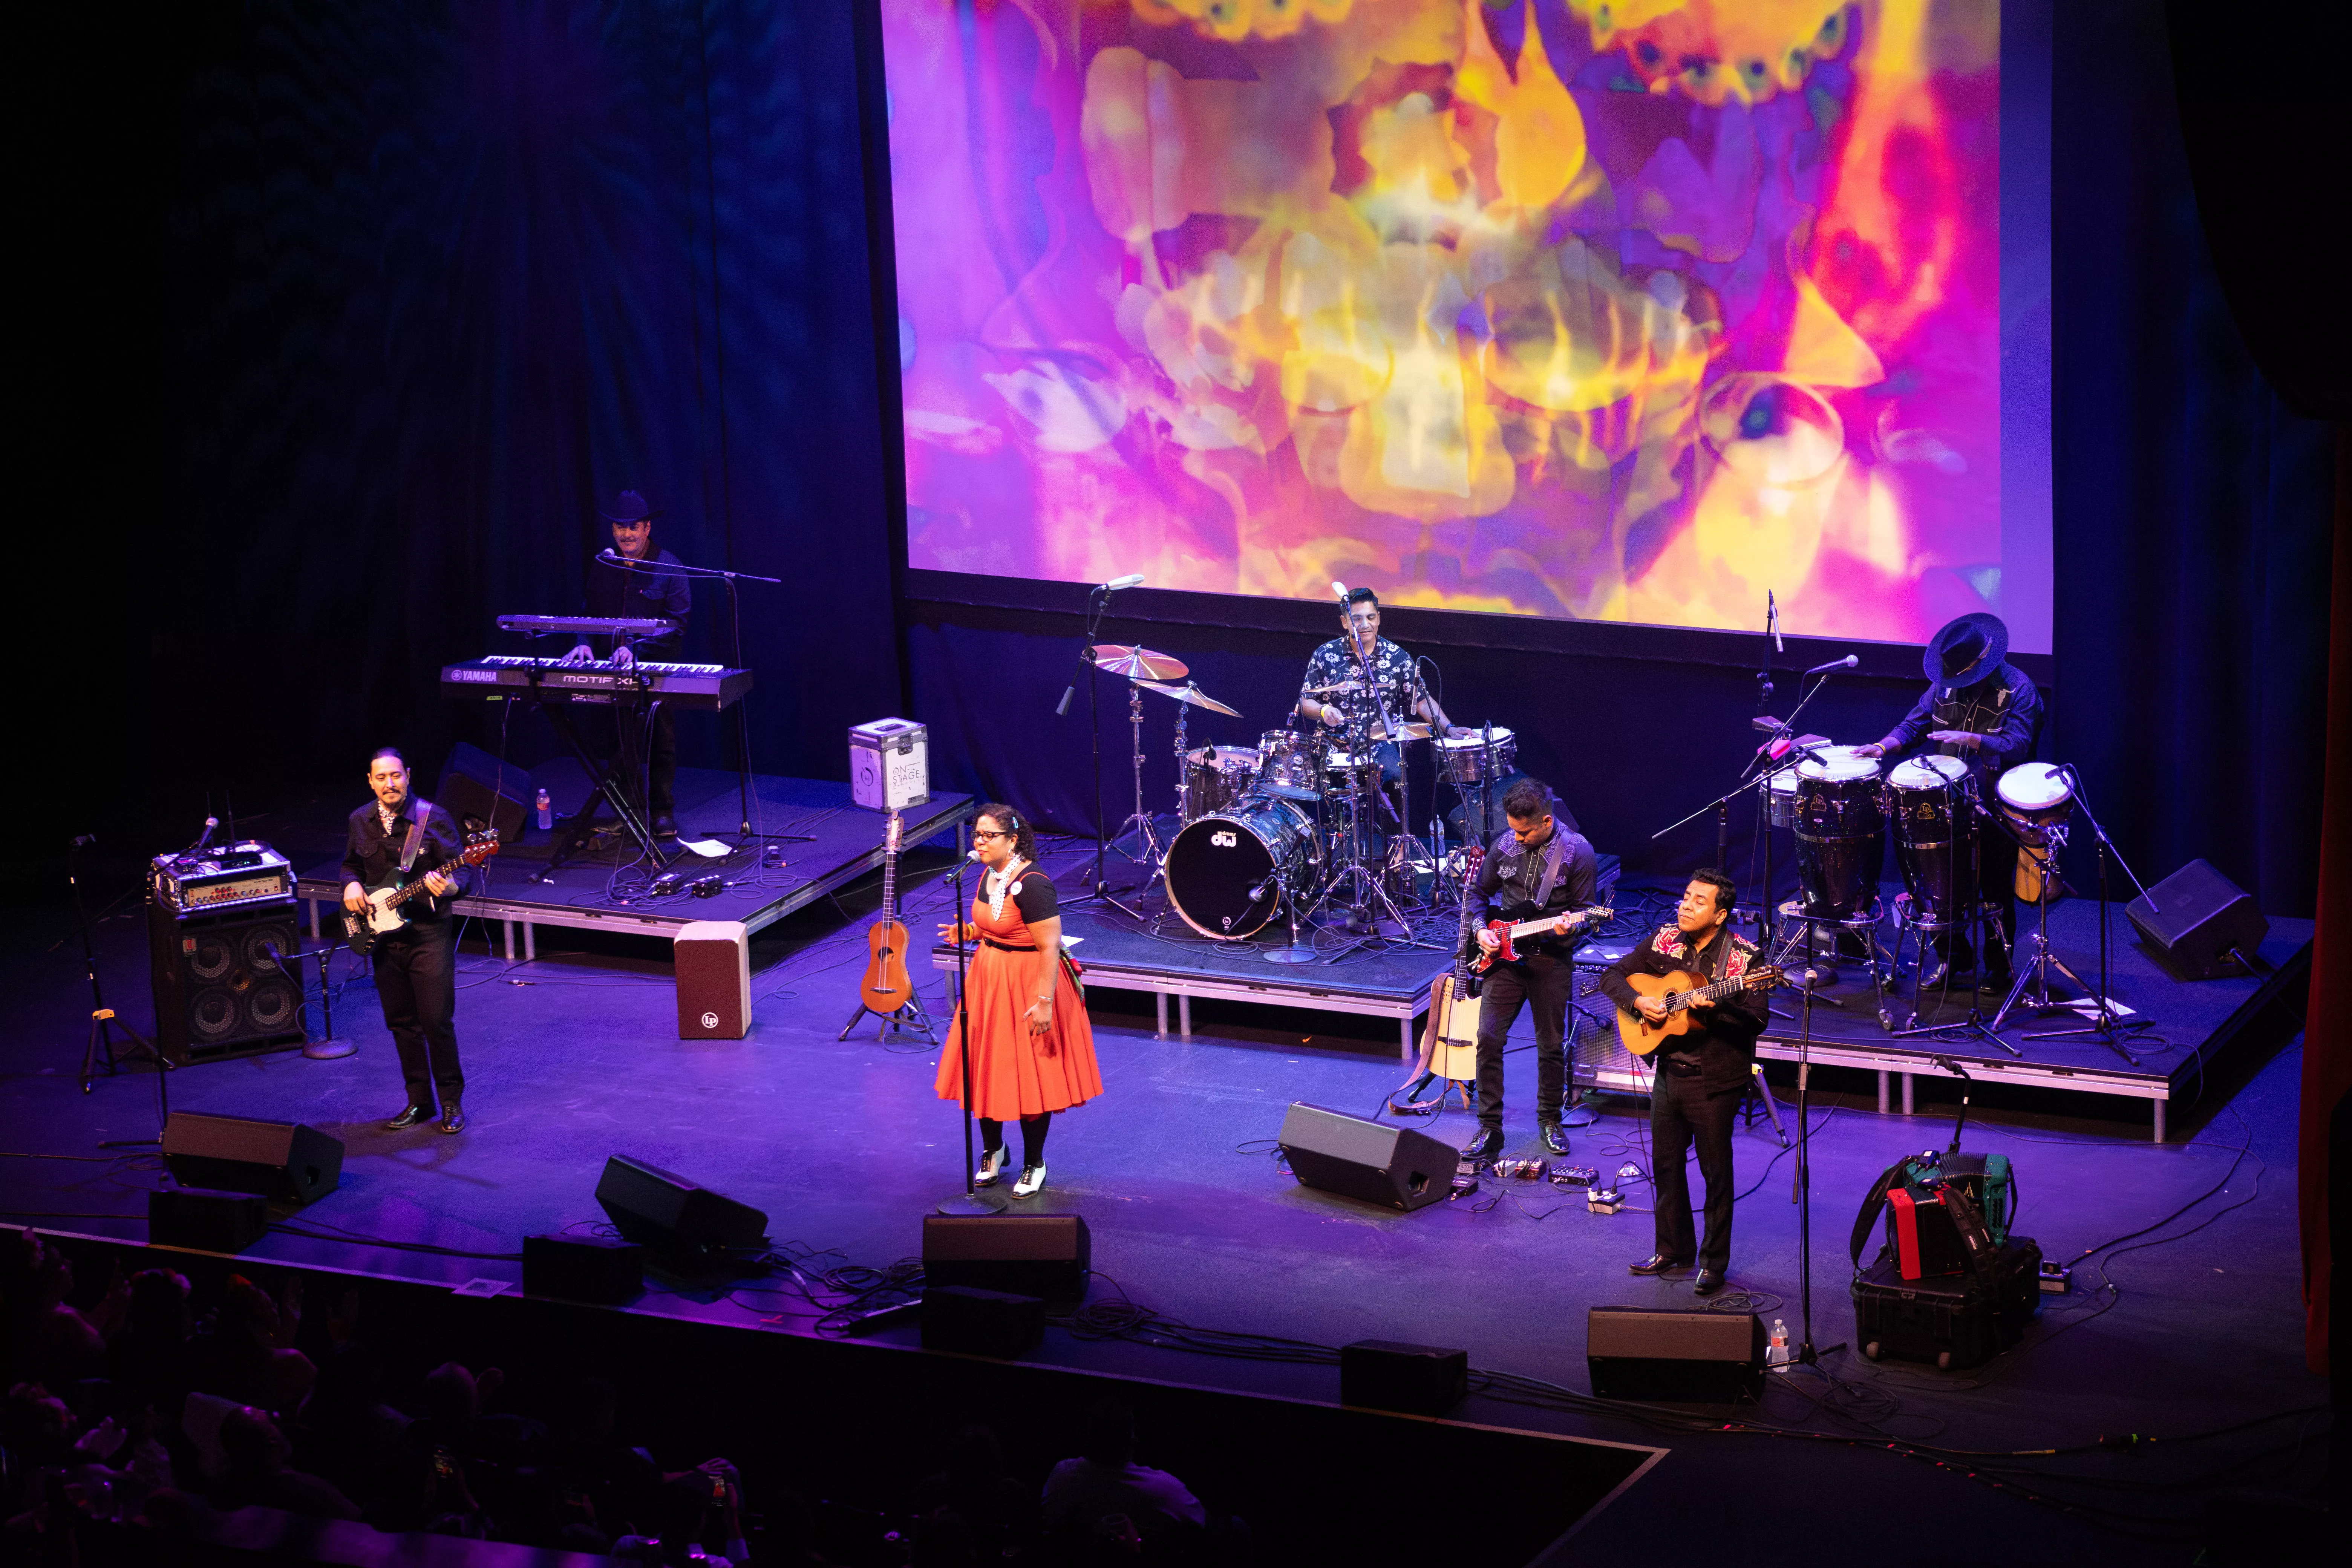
(1300, 823)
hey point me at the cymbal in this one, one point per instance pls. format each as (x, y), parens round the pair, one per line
(1191, 694)
(1337, 689)
(1413, 731)
(1137, 663)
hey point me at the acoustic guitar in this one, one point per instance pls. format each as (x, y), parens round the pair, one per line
(889, 986)
(1680, 989)
(1449, 1041)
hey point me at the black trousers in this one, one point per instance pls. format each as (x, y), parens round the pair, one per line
(1684, 1111)
(416, 980)
(1548, 982)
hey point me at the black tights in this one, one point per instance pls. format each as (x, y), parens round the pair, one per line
(1032, 1137)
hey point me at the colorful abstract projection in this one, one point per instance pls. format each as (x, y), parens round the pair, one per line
(1620, 309)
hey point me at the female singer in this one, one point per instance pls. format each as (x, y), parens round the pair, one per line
(1032, 1050)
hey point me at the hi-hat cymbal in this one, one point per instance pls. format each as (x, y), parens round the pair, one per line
(1137, 663)
(1191, 694)
(1337, 689)
(1413, 731)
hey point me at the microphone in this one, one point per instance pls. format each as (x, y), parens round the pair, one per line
(1812, 977)
(971, 855)
(1260, 891)
(206, 836)
(1848, 662)
(1132, 580)
(1340, 589)
(1772, 622)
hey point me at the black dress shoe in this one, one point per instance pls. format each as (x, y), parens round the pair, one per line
(1707, 1283)
(452, 1117)
(408, 1117)
(1941, 975)
(664, 825)
(1484, 1145)
(1555, 1136)
(1658, 1263)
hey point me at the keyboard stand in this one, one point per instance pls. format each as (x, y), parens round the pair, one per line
(608, 784)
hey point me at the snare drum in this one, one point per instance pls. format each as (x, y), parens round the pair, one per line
(1471, 760)
(1216, 778)
(1286, 766)
(1935, 830)
(1352, 774)
(1780, 797)
(1839, 826)
(2034, 798)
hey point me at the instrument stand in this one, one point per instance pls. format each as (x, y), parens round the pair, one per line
(1880, 962)
(2033, 983)
(1757, 1090)
(615, 793)
(2106, 1025)
(909, 1021)
(1803, 1196)
(102, 1021)
(1140, 821)
(970, 1202)
(327, 1047)
(1925, 931)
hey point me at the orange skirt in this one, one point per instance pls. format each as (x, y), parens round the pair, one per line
(1014, 1072)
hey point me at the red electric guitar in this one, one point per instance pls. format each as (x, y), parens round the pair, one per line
(1509, 931)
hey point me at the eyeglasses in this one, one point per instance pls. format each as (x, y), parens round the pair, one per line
(979, 833)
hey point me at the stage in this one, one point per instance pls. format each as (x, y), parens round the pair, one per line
(572, 1056)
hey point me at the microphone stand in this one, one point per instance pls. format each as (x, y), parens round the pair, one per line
(1804, 1194)
(1097, 605)
(2106, 1025)
(969, 1203)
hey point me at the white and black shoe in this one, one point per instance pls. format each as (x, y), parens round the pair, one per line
(1033, 1177)
(992, 1166)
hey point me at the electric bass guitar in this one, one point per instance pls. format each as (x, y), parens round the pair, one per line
(1508, 931)
(1449, 1042)
(1680, 989)
(889, 986)
(386, 908)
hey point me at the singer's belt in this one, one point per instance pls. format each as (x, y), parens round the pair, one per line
(1006, 946)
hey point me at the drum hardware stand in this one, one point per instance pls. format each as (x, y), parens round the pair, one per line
(1097, 603)
(1879, 962)
(2105, 1026)
(1975, 1022)
(1140, 821)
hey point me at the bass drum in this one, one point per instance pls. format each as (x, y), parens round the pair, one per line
(1225, 872)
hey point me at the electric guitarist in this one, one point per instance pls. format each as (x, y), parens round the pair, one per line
(1701, 1072)
(398, 838)
(1536, 866)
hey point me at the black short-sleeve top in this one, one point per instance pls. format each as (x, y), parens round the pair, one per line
(1034, 897)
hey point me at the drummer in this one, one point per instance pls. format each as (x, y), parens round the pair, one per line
(1984, 710)
(1400, 691)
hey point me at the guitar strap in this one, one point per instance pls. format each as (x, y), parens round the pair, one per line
(419, 808)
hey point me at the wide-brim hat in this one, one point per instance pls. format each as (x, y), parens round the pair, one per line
(1967, 650)
(629, 507)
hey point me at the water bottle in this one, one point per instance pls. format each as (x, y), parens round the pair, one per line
(546, 812)
(1776, 1351)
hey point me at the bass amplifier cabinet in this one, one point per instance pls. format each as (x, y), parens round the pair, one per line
(1674, 1353)
(225, 984)
(1377, 1162)
(2196, 919)
(282, 1160)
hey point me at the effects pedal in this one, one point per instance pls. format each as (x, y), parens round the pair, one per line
(2057, 1279)
(1604, 1200)
(1574, 1175)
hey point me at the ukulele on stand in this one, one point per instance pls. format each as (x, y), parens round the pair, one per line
(888, 991)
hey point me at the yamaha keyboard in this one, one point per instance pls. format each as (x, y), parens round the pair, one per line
(511, 675)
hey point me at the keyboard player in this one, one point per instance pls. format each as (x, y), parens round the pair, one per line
(644, 581)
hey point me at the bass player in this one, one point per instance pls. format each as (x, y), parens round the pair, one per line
(397, 837)
(1535, 866)
(1700, 1075)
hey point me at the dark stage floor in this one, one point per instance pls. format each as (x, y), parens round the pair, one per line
(2195, 1327)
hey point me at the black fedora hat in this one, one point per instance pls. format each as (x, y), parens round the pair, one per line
(630, 506)
(1965, 650)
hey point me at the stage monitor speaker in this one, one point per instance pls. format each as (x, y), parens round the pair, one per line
(475, 788)
(1419, 1379)
(225, 984)
(286, 1160)
(1041, 1254)
(679, 1222)
(1377, 1162)
(711, 961)
(584, 1268)
(2195, 919)
(1674, 1353)
(981, 1322)
(204, 1221)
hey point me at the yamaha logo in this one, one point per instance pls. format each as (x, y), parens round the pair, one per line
(1224, 840)
(711, 1020)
